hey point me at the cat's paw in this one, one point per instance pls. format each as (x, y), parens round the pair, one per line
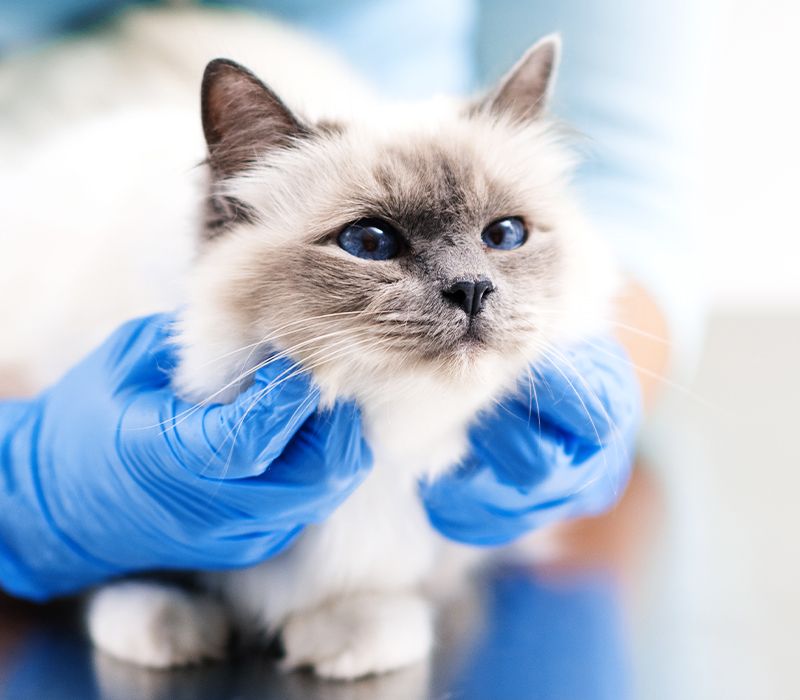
(358, 636)
(154, 625)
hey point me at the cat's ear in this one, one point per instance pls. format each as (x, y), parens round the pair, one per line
(525, 90)
(242, 117)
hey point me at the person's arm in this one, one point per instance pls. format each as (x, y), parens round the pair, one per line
(108, 472)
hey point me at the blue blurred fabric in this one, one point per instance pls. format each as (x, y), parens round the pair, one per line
(406, 48)
(410, 48)
(25, 22)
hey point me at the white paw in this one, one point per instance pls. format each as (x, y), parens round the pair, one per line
(359, 635)
(154, 625)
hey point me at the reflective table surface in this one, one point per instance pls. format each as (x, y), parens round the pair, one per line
(574, 649)
(688, 589)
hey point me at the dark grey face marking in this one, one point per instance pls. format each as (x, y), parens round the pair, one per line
(440, 203)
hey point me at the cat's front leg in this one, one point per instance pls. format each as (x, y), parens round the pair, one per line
(152, 624)
(359, 635)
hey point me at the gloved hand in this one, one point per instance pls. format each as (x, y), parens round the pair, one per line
(561, 452)
(108, 472)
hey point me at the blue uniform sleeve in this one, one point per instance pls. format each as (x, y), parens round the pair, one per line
(29, 21)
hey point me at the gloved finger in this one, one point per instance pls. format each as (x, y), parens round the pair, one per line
(243, 438)
(331, 448)
(141, 353)
(589, 390)
(542, 457)
(334, 460)
(346, 449)
(464, 513)
(489, 503)
(598, 482)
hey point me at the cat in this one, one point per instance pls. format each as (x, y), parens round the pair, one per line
(414, 258)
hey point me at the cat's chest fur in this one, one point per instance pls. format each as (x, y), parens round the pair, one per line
(380, 537)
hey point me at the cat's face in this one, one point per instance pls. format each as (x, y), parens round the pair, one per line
(442, 242)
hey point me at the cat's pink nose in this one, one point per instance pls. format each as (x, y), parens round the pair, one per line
(468, 294)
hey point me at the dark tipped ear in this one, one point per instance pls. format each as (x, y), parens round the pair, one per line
(525, 90)
(242, 117)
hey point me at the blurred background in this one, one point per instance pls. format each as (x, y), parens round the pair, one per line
(751, 157)
(689, 115)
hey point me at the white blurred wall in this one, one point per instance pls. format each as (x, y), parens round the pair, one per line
(750, 191)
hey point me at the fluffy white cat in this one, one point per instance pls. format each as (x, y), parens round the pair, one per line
(107, 216)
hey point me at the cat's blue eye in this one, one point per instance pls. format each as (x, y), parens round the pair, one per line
(371, 239)
(505, 234)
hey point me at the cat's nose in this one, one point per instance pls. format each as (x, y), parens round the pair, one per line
(469, 294)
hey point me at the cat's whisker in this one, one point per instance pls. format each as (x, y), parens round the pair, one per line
(180, 417)
(359, 337)
(320, 320)
(620, 443)
(683, 389)
(554, 355)
(661, 378)
(303, 368)
(608, 321)
(234, 434)
(548, 353)
(274, 334)
(535, 398)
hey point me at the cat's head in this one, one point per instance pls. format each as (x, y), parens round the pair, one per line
(432, 240)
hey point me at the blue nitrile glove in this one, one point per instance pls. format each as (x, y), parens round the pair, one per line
(528, 465)
(108, 472)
